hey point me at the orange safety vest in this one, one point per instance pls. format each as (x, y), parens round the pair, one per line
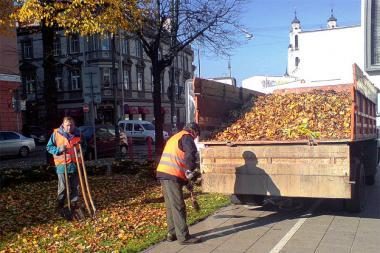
(70, 155)
(173, 159)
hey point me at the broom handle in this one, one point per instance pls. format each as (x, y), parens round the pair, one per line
(67, 183)
(85, 180)
(81, 182)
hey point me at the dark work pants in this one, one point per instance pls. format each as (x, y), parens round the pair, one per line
(175, 209)
(73, 184)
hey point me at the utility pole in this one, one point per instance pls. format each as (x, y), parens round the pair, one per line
(115, 107)
(173, 42)
(121, 74)
(92, 108)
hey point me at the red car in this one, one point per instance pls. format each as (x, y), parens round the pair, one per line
(105, 141)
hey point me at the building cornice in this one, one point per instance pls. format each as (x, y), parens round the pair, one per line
(327, 29)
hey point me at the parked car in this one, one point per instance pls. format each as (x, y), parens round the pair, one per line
(105, 141)
(39, 134)
(13, 143)
(140, 130)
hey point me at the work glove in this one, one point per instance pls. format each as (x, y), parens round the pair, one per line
(62, 148)
(189, 175)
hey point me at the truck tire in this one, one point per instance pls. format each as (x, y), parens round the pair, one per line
(358, 200)
(239, 199)
(370, 180)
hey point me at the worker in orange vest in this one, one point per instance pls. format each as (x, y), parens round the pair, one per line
(63, 140)
(177, 162)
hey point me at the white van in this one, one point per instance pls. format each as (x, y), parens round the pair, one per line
(139, 130)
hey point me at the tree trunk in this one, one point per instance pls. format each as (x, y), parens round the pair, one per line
(158, 115)
(50, 89)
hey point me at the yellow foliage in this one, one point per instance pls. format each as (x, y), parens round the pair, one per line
(6, 21)
(84, 17)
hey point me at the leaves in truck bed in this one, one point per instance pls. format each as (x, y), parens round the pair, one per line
(312, 115)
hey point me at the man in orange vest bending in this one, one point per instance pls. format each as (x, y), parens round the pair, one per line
(63, 140)
(177, 161)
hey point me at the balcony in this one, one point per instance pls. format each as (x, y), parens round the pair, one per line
(99, 55)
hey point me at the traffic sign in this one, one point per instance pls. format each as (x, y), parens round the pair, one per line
(86, 108)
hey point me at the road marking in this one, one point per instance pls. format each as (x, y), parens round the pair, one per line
(284, 240)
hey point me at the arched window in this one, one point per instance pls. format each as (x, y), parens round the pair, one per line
(297, 61)
(296, 42)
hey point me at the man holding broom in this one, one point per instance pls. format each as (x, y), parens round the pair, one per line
(61, 146)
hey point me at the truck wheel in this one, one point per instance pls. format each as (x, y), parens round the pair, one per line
(247, 199)
(24, 151)
(358, 199)
(370, 180)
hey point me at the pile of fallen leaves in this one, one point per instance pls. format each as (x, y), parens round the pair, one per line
(312, 115)
(131, 217)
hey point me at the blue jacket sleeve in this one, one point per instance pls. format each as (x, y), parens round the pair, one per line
(51, 146)
(187, 145)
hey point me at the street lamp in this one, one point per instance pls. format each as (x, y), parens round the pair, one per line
(249, 36)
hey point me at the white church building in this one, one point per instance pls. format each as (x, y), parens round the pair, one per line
(325, 55)
(317, 57)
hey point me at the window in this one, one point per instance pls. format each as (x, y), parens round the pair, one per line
(74, 44)
(140, 80)
(93, 43)
(105, 44)
(296, 42)
(151, 79)
(58, 80)
(75, 80)
(129, 127)
(106, 77)
(162, 83)
(185, 63)
(125, 46)
(10, 136)
(297, 61)
(138, 127)
(375, 33)
(159, 54)
(57, 47)
(30, 83)
(126, 79)
(139, 52)
(27, 49)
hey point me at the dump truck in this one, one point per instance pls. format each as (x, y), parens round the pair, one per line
(310, 168)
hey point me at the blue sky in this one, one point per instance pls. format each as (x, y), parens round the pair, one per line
(269, 21)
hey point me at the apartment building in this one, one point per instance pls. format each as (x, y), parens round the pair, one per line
(84, 74)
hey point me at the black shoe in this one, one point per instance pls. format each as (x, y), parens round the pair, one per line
(191, 240)
(171, 238)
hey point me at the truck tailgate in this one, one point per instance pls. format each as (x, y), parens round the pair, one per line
(293, 170)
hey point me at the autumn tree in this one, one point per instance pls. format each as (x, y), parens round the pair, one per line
(72, 16)
(212, 23)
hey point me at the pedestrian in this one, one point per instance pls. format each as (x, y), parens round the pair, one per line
(177, 162)
(62, 141)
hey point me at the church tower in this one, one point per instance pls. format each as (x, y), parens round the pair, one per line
(294, 47)
(331, 22)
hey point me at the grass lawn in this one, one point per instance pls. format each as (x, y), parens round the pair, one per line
(130, 218)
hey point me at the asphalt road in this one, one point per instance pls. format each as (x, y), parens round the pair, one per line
(38, 157)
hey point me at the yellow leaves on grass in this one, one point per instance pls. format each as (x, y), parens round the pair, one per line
(313, 115)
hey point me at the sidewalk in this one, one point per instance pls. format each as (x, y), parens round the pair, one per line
(235, 228)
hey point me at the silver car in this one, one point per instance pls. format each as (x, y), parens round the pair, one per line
(13, 143)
